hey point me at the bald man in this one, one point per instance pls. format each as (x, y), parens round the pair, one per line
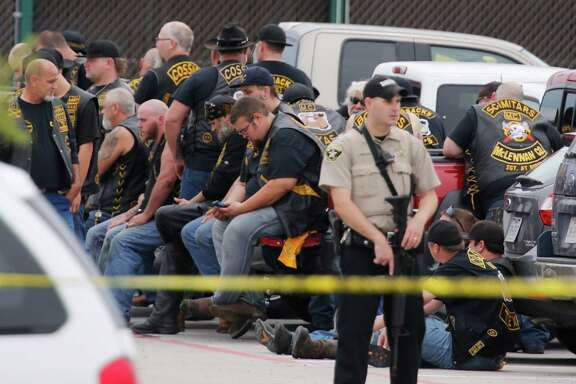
(50, 154)
(173, 43)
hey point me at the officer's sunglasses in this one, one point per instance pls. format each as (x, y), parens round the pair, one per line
(356, 100)
(451, 213)
(243, 131)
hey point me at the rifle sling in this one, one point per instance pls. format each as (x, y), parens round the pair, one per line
(379, 160)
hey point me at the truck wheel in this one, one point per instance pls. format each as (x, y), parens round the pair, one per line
(567, 337)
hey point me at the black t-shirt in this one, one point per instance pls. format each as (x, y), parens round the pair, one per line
(227, 168)
(147, 88)
(47, 166)
(197, 87)
(485, 327)
(284, 74)
(292, 154)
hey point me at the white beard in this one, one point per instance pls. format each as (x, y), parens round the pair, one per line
(106, 124)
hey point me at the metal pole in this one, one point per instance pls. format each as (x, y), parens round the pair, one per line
(26, 18)
(17, 16)
(347, 12)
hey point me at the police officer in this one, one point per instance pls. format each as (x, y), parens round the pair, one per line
(359, 190)
(174, 43)
(506, 138)
(195, 147)
(432, 129)
(269, 49)
(103, 67)
(314, 116)
(186, 218)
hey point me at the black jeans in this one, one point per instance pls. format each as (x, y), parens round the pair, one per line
(355, 319)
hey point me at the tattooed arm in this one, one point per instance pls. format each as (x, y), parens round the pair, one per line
(117, 142)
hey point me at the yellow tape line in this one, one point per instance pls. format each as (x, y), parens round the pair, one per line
(440, 286)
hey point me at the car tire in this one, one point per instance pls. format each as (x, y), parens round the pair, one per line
(567, 337)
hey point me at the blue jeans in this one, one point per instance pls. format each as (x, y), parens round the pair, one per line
(197, 238)
(62, 206)
(437, 344)
(192, 182)
(98, 239)
(79, 224)
(234, 243)
(532, 335)
(92, 220)
(132, 252)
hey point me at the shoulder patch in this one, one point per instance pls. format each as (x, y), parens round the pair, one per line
(333, 152)
(476, 259)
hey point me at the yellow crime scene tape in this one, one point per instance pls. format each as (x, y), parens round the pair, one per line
(564, 288)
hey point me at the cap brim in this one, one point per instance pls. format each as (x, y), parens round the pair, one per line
(283, 43)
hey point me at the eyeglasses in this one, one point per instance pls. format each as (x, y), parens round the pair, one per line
(451, 213)
(356, 100)
(161, 39)
(243, 131)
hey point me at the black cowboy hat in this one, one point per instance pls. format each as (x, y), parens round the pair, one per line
(231, 38)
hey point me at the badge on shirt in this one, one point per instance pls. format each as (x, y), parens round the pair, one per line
(333, 152)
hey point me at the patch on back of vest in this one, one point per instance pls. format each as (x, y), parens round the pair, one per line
(512, 109)
(360, 119)
(509, 318)
(420, 111)
(232, 72)
(475, 258)
(72, 107)
(305, 106)
(428, 137)
(316, 120)
(519, 159)
(281, 83)
(403, 122)
(181, 71)
(134, 83)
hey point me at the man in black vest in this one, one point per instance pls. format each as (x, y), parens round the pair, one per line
(103, 67)
(49, 155)
(174, 43)
(281, 198)
(195, 148)
(258, 83)
(186, 218)
(506, 138)
(150, 60)
(82, 108)
(480, 331)
(271, 44)
(122, 160)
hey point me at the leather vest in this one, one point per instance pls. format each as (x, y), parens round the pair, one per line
(101, 92)
(121, 185)
(20, 155)
(305, 204)
(199, 145)
(494, 329)
(76, 102)
(506, 145)
(171, 74)
(433, 130)
(319, 117)
(155, 163)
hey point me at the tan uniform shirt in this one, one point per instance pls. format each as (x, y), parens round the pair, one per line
(348, 163)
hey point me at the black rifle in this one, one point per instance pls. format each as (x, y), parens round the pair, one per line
(404, 264)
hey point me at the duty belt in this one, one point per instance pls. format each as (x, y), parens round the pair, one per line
(351, 237)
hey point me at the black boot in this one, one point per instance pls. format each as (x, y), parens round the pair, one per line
(305, 348)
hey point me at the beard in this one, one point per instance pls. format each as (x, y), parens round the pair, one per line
(49, 98)
(224, 132)
(106, 124)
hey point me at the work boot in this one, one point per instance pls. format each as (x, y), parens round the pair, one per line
(236, 311)
(197, 309)
(281, 343)
(151, 326)
(378, 357)
(305, 348)
(224, 326)
(264, 332)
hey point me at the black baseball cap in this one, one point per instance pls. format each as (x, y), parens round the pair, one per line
(444, 233)
(297, 92)
(49, 54)
(218, 106)
(76, 41)
(384, 87)
(491, 233)
(231, 38)
(273, 34)
(102, 48)
(255, 75)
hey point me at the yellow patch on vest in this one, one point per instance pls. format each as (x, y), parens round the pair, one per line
(281, 83)
(181, 71)
(60, 116)
(492, 332)
(509, 318)
(232, 72)
(475, 258)
(72, 108)
(473, 351)
(510, 105)
(207, 138)
(519, 159)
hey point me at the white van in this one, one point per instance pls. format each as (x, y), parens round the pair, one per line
(70, 333)
(333, 55)
(451, 88)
